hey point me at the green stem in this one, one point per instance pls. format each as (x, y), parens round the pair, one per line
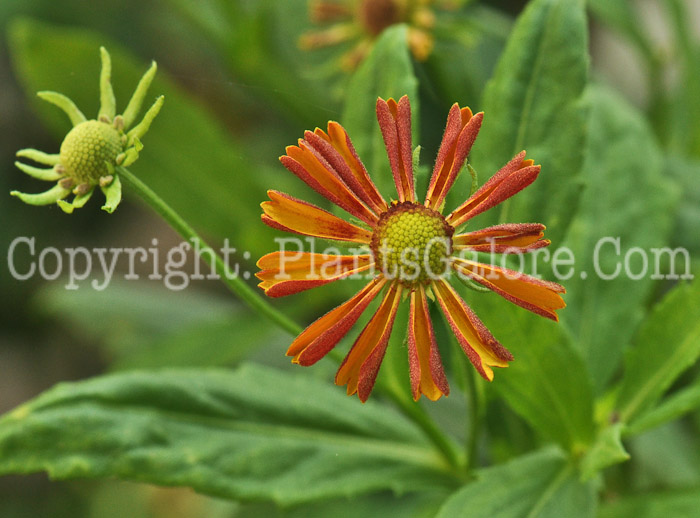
(416, 413)
(234, 283)
(474, 425)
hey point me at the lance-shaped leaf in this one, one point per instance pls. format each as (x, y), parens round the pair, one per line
(547, 382)
(542, 484)
(667, 344)
(621, 154)
(534, 102)
(250, 434)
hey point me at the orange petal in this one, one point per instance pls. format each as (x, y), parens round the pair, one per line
(395, 123)
(290, 214)
(460, 132)
(421, 43)
(482, 349)
(539, 296)
(511, 179)
(341, 154)
(360, 367)
(319, 338)
(288, 272)
(427, 375)
(503, 239)
(324, 12)
(334, 35)
(308, 164)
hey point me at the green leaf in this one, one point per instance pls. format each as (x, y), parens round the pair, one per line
(667, 344)
(387, 72)
(658, 504)
(547, 383)
(188, 158)
(666, 456)
(541, 484)
(684, 132)
(685, 172)
(673, 407)
(412, 505)
(606, 451)
(250, 434)
(468, 45)
(624, 181)
(534, 103)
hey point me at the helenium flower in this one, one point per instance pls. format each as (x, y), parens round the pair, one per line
(93, 149)
(413, 250)
(360, 22)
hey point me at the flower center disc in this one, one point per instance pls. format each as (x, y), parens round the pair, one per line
(86, 148)
(377, 15)
(411, 243)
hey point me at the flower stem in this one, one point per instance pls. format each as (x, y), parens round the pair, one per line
(234, 283)
(415, 412)
(474, 425)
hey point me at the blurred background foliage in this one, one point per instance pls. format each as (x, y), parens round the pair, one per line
(238, 90)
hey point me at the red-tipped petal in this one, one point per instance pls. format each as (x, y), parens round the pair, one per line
(290, 214)
(288, 272)
(460, 132)
(310, 166)
(336, 147)
(321, 336)
(360, 367)
(425, 364)
(511, 179)
(536, 295)
(503, 239)
(395, 123)
(477, 342)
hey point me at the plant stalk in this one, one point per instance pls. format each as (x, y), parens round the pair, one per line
(232, 281)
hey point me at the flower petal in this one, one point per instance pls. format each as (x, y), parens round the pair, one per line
(427, 375)
(482, 349)
(333, 35)
(395, 123)
(360, 367)
(319, 338)
(503, 239)
(536, 295)
(310, 166)
(49, 175)
(460, 132)
(288, 272)
(336, 147)
(290, 214)
(44, 198)
(321, 11)
(511, 179)
(39, 156)
(113, 195)
(78, 201)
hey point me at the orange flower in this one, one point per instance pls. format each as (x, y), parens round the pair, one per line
(412, 249)
(362, 21)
